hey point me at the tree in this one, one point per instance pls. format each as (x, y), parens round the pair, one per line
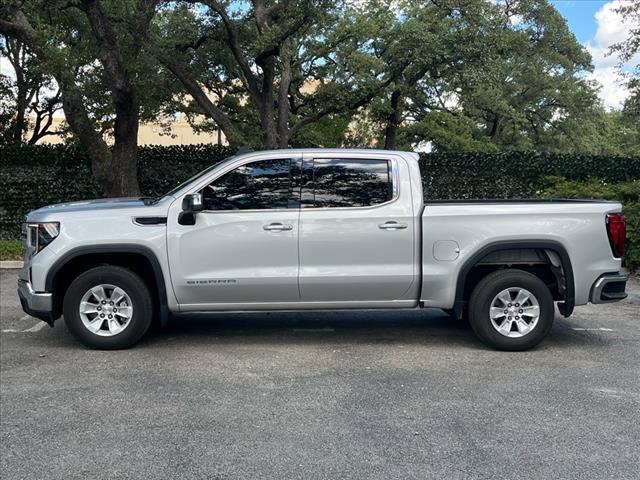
(31, 93)
(485, 76)
(626, 51)
(428, 43)
(530, 93)
(461, 74)
(90, 46)
(267, 73)
(630, 47)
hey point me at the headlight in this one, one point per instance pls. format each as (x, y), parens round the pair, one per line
(40, 235)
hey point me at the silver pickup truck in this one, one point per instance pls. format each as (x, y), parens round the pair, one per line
(318, 229)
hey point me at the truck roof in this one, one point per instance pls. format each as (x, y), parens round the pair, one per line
(316, 151)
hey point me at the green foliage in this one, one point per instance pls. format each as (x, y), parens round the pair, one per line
(484, 76)
(28, 97)
(161, 168)
(10, 249)
(628, 193)
(448, 133)
(466, 75)
(515, 174)
(32, 177)
(326, 132)
(72, 54)
(264, 72)
(632, 256)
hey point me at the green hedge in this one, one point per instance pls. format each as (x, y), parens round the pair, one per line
(626, 192)
(31, 177)
(515, 174)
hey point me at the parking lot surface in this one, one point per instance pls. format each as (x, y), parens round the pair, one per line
(366, 395)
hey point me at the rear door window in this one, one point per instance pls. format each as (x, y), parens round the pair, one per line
(337, 182)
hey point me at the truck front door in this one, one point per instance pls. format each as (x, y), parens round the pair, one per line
(243, 248)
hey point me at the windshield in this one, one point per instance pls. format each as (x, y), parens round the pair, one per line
(196, 176)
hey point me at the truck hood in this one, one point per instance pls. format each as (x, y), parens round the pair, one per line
(98, 204)
(93, 206)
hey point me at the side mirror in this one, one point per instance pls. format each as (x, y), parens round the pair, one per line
(191, 204)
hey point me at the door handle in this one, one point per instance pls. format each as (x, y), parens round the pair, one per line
(277, 227)
(392, 225)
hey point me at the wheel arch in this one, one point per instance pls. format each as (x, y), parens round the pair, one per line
(83, 258)
(568, 303)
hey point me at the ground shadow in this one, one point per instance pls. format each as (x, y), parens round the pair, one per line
(357, 326)
(406, 327)
(428, 327)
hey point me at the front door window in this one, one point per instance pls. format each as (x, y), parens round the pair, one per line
(262, 185)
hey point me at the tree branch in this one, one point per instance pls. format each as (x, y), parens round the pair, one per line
(233, 41)
(201, 98)
(108, 49)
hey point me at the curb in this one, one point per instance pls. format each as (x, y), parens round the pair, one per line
(11, 264)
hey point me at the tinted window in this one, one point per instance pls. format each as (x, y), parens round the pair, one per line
(198, 175)
(350, 183)
(254, 186)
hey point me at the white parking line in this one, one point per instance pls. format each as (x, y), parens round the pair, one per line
(36, 328)
(600, 329)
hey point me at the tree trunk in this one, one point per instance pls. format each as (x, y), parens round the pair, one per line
(114, 170)
(495, 126)
(393, 121)
(268, 124)
(266, 107)
(18, 127)
(122, 179)
(15, 55)
(283, 102)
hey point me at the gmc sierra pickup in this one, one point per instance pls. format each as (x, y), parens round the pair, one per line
(318, 229)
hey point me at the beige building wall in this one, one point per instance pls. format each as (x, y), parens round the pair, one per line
(179, 133)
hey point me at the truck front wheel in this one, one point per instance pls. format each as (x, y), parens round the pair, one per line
(108, 308)
(511, 310)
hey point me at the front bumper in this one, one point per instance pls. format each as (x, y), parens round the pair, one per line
(36, 304)
(609, 288)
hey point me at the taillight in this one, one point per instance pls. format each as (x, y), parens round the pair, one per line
(617, 231)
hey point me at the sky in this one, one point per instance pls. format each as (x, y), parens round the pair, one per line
(596, 25)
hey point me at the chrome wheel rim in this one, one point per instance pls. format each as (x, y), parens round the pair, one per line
(514, 312)
(106, 310)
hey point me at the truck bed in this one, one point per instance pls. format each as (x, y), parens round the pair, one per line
(456, 231)
(501, 201)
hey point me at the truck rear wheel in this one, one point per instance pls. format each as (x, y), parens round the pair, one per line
(108, 308)
(511, 310)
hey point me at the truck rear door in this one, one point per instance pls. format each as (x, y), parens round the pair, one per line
(357, 229)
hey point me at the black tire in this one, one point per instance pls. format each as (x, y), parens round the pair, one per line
(136, 289)
(481, 301)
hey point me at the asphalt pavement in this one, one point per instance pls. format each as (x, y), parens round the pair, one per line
(340, 395)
